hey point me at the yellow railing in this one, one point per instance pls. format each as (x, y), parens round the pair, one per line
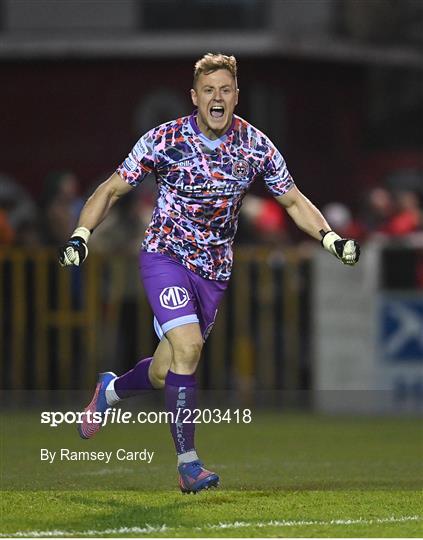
(60, 326)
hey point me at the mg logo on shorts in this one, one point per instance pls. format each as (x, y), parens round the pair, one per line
(174, 297)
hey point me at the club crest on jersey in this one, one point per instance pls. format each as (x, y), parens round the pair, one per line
(174, 297)
(240, 168)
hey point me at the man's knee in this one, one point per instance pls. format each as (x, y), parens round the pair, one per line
(157, 375)
(186, 356)
(189, 350)
(187, 344)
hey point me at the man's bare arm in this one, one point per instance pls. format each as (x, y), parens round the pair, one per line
(305, 215)
(101, 201)
(309, 219)
(75, 251)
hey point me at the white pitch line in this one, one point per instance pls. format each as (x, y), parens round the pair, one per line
(297, 523)
(57, 533)
(230, 525)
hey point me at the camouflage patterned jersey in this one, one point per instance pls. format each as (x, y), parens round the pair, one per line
(201, 185)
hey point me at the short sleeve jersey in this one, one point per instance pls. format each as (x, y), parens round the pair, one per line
(201, 185)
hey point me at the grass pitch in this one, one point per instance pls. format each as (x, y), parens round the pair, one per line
(282, 475)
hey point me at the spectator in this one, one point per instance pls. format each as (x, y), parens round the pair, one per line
(18, 214)
(407, 217)
(341, 219)
(263, 220)
(61, 205)
(378, 210)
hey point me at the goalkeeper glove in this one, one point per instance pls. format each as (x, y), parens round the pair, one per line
(75, 251)
(345, 249)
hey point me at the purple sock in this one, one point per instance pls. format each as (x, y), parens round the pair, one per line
(180, 393)
(134, 381)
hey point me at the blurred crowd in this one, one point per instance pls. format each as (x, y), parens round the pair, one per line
(393, 209)
(51, 219)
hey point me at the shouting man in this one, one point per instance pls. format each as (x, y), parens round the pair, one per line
(204, 164)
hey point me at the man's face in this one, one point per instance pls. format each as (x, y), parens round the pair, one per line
(216, 96)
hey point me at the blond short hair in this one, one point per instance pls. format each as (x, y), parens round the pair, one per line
(212, 62)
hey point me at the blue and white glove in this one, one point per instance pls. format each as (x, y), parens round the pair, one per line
(75, 251)
(344, 249)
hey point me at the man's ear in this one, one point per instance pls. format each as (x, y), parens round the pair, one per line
(193, 96)
(237, 96)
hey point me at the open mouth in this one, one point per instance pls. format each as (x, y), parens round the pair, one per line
(217, 111)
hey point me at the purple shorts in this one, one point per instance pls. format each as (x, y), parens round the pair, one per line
(178, 296)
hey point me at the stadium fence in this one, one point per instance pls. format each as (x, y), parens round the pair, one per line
(60, 326)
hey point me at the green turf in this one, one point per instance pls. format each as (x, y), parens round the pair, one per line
(281, 475)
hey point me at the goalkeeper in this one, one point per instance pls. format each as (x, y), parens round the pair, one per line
(204, 164)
